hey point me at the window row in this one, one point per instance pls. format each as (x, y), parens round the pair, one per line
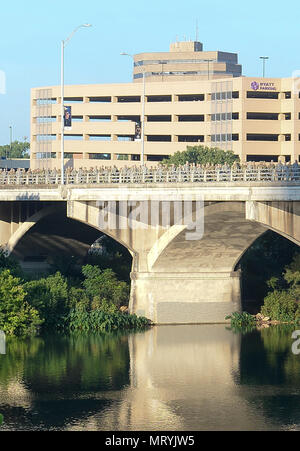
(215, 96)
(168, 138)
(180, 118)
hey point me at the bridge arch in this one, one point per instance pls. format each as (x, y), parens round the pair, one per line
(49, 233)
(25, 226)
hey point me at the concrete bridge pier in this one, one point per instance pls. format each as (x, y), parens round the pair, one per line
(185, 298)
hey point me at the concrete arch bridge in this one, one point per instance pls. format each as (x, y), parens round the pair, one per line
(186, 238)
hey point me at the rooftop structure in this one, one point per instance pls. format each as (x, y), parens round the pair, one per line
(186, 61)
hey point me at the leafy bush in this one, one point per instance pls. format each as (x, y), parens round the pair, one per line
(281, 306)
(284, 304)
(241, 321)
(104, 285)
(17, 317)
(50, 297)
(99, 320)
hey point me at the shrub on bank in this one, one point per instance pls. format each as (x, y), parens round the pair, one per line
(283, 304)
(103, 321)
(17, 316)
(62, 303)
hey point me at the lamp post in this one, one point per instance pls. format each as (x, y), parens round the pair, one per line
(264, 58)
(10, 146)
(63, 45)
(143, 110)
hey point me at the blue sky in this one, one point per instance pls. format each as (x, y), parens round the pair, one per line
(31, 32)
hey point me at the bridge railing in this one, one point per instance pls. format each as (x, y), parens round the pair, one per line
(142, 175)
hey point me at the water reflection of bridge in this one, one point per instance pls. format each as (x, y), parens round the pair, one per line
(183, 378)
(180, 378)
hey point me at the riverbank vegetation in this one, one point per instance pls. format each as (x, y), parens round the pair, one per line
(87, 300)
(281, 304)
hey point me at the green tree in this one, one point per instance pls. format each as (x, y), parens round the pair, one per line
(282, 304)
(17, 317)
(202, 155)
(103, 286)
(18, 149)
(50, 297)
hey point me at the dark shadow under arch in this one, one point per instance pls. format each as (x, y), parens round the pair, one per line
(267, 257)
(56, 235)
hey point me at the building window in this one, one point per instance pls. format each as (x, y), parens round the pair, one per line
(288, 116)
(288, 137)
(125, 137)
(45, 119)
(263, 158)
(288, 95)
(235, 95)
(46, 101)
(73, 100)
(235, 116)
(221, 117)
(191, 118)
(73, 137)
(100, 118)
(221, 95)
(44, 155)
(99, 156)
(129, 99)
(263, 116)
(159, 98)
(43, 138)
(159, 138)
(191, 98)
(165, 118)
(224, 138)
(191, 139)
(129, 118)
(100, 137)
(123, 157)
(156, 157)
(262, 95)
(135, 157)
(261, 137)
(102, 99)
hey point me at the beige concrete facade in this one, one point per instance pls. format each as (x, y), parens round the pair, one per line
(186, 61)
(257, 118)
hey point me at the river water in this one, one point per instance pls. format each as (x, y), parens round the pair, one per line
(169, 378)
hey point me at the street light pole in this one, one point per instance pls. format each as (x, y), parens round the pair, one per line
(264, 58)
(143, 110)
(10, 146)
(62, 142)
(62, 87)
